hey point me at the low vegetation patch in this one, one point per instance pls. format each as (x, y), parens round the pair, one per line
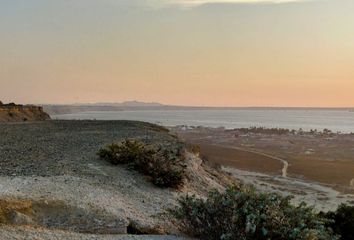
(263, 130)
(243, 213)
(283, 131)
(342, 221)
(164, 166)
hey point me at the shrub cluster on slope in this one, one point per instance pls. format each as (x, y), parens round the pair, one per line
(164, 166)
(342, 221)
(243, 213)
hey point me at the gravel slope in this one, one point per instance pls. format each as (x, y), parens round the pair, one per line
(20, 233)
(65, 147)
(53, 167)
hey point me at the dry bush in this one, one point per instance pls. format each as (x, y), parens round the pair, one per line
(165, 167)
(244, 214)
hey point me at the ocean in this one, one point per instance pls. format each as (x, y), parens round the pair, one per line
(335, 120)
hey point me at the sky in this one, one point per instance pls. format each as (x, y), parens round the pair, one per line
(180, 52)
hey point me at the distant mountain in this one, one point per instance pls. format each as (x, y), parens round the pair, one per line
(141, 106)
(85, 107)
(125, 104)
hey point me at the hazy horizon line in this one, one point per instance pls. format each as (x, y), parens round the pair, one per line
(159, 104)
(193, 106)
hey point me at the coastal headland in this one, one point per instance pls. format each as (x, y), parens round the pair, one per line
(21, 113)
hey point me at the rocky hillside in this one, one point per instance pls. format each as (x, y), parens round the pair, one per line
(21, 113)
(54, 186)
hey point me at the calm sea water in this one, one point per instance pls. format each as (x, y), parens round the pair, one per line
(335, 120)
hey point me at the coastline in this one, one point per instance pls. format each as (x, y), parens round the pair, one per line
(336, 120)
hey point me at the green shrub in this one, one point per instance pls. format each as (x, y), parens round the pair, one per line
(243, 213)
(124, 152)
(165, 167)
(342, 221)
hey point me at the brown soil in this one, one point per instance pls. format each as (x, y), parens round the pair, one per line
(58, 215)
(240, 159)
(330, 172)
(9, 206)
(323, 159)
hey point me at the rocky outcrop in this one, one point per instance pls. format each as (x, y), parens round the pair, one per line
(21, 113)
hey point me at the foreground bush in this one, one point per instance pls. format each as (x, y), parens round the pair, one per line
(165, 167)
(342, 221)
(245, 214)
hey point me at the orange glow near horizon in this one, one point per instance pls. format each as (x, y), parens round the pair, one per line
(288, 55)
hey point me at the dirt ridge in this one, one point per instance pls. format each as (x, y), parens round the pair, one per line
(21, 113)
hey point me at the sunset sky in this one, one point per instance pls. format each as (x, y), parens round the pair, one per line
(181, 52)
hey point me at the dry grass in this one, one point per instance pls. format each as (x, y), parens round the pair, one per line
(240, 159)
(8, 206)
(327, 160)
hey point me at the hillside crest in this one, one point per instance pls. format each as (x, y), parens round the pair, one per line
(12, 112)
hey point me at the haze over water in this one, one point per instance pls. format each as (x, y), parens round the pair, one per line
(335, 120)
